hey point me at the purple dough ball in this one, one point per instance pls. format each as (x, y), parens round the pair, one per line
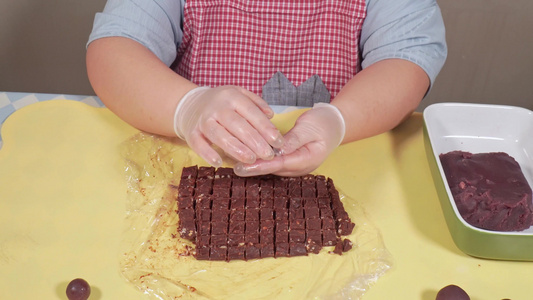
(452, 292)
(78, 289)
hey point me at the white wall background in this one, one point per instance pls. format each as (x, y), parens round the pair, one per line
(42, 49)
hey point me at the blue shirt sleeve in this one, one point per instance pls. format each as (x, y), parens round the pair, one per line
(154, 24)
(407, 29)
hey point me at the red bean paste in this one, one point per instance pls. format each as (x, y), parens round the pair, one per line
(489, 189)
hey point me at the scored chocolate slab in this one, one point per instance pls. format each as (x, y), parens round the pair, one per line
(230, 217)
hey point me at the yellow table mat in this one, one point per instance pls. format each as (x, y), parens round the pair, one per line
(61, 165)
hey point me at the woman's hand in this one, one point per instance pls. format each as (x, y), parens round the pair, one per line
(232, 118)
(316, 133)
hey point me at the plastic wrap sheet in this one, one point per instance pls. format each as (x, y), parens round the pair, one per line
(158, 262)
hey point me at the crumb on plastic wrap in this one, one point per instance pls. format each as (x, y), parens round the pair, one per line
(160, 264)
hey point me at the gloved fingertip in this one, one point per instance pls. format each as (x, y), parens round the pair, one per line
(267, 111)
(241, 156)
(278, 141)
(216, 162)
(239, 169)
(249, 159)
(268, 154)
(245, 170)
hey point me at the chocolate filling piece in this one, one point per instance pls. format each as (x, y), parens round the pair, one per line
(240, 218)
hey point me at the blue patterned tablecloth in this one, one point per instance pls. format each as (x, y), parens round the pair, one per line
(12, 101)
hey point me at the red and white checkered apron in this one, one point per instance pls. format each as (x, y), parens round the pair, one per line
(245, 42)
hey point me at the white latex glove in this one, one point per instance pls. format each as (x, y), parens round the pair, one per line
(233, 118)
(316, 133)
